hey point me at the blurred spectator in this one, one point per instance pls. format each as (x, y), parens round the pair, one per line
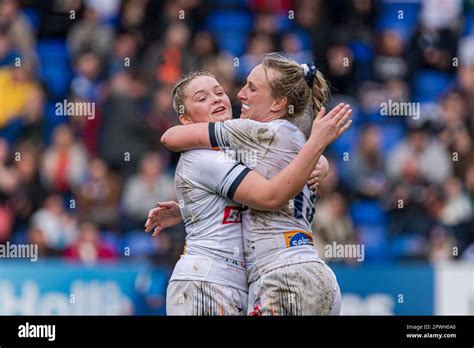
(64, 162)
(59, 227)
(389, 62)
(420, 155)
(332, 224)
(434, 43)
(457, 212)
(90, 34)
(124, 132)
(16, 85)
(19, 31)
(7, 52)
(143, 190)
(99, 195)
(7, 177)
(89, 248)
(36, 236)
(56, 15)
(162, 115)
(366, 168)
(292, 47)
(7, 187)
(168, 59)
(466, 77)
(29, 193)
(125, 52)
(455, 133)
(258, 45)
(29, 125)
(205, 49)
(340, 69)
(86, 84)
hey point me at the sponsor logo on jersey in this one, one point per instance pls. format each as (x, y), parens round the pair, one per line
(234, 264)
(297, 238)
(232, 215)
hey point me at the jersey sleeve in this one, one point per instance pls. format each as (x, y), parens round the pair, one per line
(215, 171)
(241, 134)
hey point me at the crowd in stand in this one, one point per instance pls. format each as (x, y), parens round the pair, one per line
(80, 186)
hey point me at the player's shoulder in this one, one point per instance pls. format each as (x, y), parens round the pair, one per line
(252, 125)
(286, 128)
(194, 156)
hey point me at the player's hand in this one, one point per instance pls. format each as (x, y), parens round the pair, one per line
(166, 214)
(327, 128)
(318, 174)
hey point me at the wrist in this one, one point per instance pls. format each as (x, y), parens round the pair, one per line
(316, 144)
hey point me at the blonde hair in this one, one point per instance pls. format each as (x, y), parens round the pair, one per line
(178, 89)
(290, 82)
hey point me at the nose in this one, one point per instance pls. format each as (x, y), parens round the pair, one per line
(217, 99)
(241, 94)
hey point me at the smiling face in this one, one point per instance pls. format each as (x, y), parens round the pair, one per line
(205, 101)
(257, 101)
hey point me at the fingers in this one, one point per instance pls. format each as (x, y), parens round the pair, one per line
(336, 110)
(321, 113)
(341, 113)
(345, 127)
(151, 220)
(168, 204)
(314, 187)
(344, 118)
(153, 225)
(153, 212)
(157, 230)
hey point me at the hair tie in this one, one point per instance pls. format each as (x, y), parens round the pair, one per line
(309, 71)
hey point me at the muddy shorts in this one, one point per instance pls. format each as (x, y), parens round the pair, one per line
(191, 297)
(308, 288)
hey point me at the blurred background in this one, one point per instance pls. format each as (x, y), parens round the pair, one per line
(80, 187)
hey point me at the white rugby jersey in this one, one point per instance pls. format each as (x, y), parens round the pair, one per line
(270, 238)
(206, 181)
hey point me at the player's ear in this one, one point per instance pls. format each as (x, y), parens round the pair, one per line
(279, 104)
(185, 119)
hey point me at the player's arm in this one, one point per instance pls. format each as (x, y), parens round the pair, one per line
(187, 137)
(257, 192)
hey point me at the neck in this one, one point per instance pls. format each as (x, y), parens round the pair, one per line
(272, 117)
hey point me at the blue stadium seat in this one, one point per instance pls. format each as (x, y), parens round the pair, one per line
(111, 239)
(139, 242)
(55, 70)
(375, 242)
(468, 24)
(363, 52)
(231, 29)
(33, 17)
(428, 85)
(391, 133)
(367, 212)
(345, 143)
(407, 245)
(389, 17)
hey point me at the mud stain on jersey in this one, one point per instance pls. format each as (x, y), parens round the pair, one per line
(265, 135)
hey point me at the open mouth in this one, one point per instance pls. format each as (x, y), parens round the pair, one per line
(245, 106)
(218, 110)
